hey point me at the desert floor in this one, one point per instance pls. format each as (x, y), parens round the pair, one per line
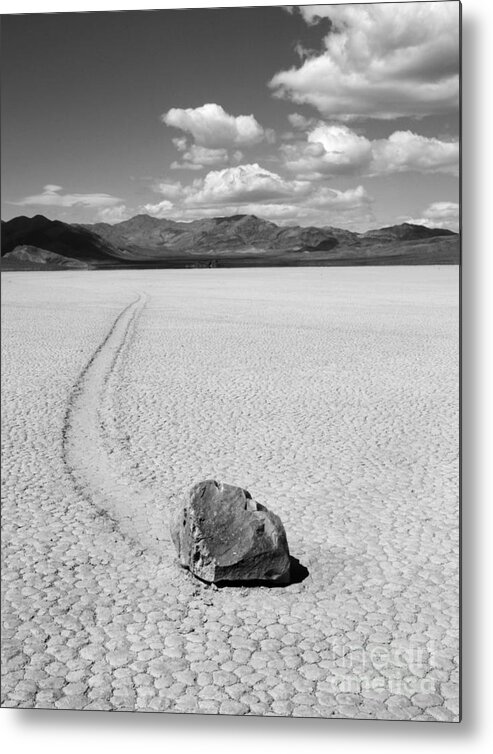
(331, 394)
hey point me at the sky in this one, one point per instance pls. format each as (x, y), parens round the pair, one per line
(342, 115)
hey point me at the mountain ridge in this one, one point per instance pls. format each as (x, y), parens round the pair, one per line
(150, 241)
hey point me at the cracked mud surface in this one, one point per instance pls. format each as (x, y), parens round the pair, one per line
(330, 394)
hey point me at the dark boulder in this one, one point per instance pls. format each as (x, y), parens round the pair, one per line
(222, 535)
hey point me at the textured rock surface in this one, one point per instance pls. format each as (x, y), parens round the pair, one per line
(223, 535)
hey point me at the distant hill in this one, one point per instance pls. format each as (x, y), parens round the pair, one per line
(238, 240)
(145, 236)
(32, 258)
(74, 241)
(406, 232)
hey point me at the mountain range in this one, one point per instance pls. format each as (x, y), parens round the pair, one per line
(235, 241)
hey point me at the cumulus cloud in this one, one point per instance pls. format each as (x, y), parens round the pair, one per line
(212, 136)
(300, 122)
(159, 209)
(334, 149)
(349, 199)
(171, 190)
(405, 150)
(439, 215)
(211, 126)
(195, 157)
(251, 189)
(51, 196)
(245, 183)
(328, 150)
(381, 60)
(113, 215)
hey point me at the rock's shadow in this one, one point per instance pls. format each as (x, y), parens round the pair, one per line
(297, 574)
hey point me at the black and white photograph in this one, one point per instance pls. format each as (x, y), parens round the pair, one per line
(231, 254)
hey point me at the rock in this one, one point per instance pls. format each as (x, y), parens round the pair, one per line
(222, 535)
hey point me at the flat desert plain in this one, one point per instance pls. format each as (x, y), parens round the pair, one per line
(331, 394)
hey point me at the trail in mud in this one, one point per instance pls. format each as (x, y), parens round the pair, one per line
(92, 452)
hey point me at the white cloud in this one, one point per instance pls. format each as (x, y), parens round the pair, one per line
(211, 126)
(332, 149)
(381, 60)
(348, 199)
(343, 146)
(244, 183)
(169, 189)
(51, 197)
(439, 215)
(214, 134)
(180, 143)
(175, 165)
(114, 214)
(196, 157)
(328, 150)
(251, 189)
(300, 122)
(405, 150)
(160, 209)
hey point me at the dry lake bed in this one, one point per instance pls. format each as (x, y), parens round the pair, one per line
(331, 394)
